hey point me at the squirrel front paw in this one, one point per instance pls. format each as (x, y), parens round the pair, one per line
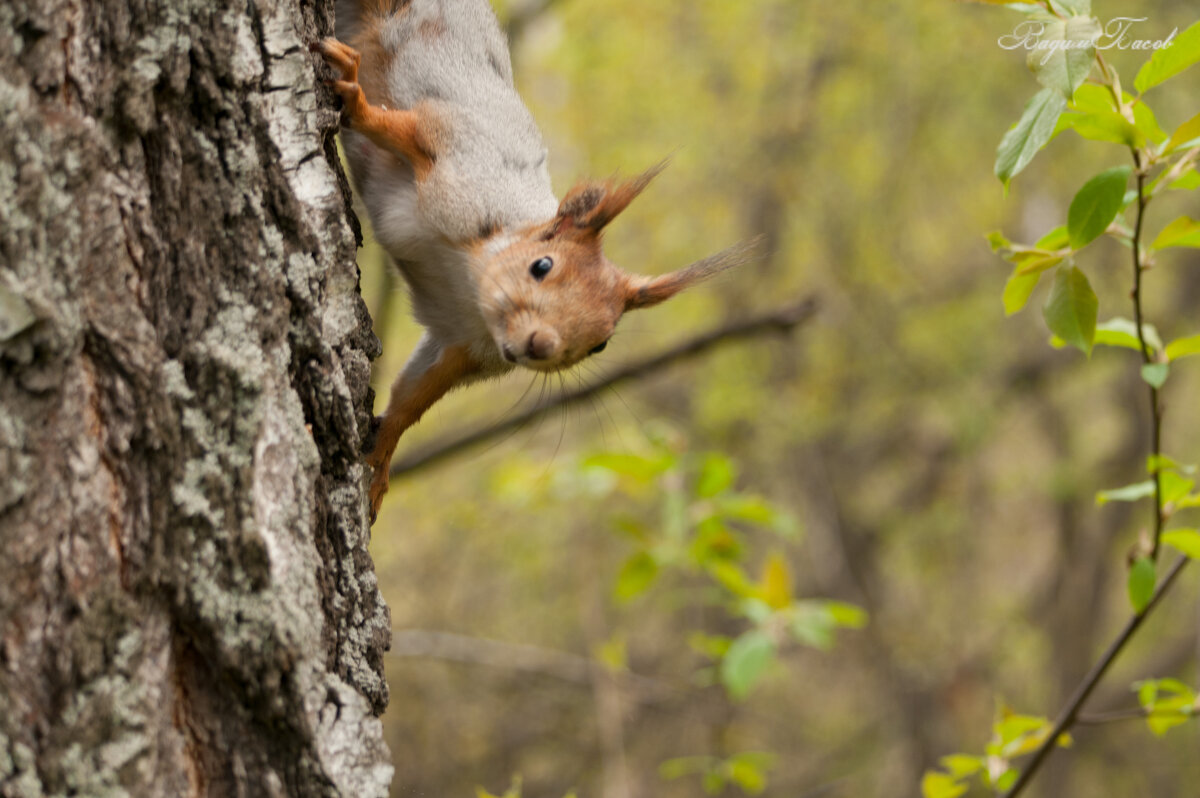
(345, 59)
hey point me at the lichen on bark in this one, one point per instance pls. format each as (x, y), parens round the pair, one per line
(187, 605)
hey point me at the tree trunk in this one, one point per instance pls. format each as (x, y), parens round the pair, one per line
(187, 606)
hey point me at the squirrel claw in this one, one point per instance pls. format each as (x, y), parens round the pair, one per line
(379, 486)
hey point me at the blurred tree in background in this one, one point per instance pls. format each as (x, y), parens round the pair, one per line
(940, 465)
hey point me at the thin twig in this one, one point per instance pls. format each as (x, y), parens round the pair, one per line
(1070, 713)
(780, 321)
(1147, 357)
(562, 665)
(1136, 713)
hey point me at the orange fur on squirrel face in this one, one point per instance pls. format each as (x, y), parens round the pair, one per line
(548, 294)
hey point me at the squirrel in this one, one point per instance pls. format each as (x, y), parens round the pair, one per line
(452, 171)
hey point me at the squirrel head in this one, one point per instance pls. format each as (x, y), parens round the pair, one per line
(551, 298)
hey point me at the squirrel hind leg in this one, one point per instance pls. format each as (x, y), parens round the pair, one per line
(430, 373)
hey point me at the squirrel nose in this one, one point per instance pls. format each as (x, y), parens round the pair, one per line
(543, 344)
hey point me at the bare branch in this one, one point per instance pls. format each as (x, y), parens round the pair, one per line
(781, 321)
(567, 667)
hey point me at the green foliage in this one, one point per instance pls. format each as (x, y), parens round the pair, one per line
(702, 534)
(1066, 65)
(1071, 308)
(1013, 736)
(1186, 541)
(1183, 232)
(1031, 133)
(1167, 703)
(1096, 205)
(747, 771)
(1141, 582)
(1099, 111)
(1170, 61)
(745, 662)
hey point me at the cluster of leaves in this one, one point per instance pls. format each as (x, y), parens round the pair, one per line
(701, 533)
(702, 530)
(1081, 92)
(1013, 735)
(1176, 484)
(1167, 703)
(748, 770)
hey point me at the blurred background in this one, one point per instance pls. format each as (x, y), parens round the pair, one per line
(908, 450)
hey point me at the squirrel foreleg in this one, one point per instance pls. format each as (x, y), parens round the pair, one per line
(397, 130)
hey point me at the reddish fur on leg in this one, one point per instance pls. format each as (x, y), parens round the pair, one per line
(409, 400)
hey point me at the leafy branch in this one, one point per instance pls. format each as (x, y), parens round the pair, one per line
(1083, 93)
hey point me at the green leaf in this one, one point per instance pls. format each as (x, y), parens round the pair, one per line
(1029, 135)
(1123, 333)
(716, 475)
(1155, 374)
(1057, 238)
(1096, 205)
(1018, 290)
(1183, 347)
(711, 646)
(1142, 579)
(1161, 462)
(776, 582)
(1183, 232)
(997, 241)
(1145, 121)
(1175, 486)
(939, 785)
(1104, 126)
(745, 662)
(961, 766)
(1189, 182)
(732, 578)
(1181, 53)
(846, 615)
(1071, 309)
(1012, 727)
(1129, 493)
(1186, 133)
(1186, 541)
(638, 573)
(643, 469)
(812, 624)
(1065, 52)
(1168, 715)
(747, 775)
(1092, 97)
(1007, 779)
(1034, 261)
(751, 509)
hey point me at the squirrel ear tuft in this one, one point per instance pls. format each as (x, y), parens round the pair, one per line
(590, 206)
(642, 292)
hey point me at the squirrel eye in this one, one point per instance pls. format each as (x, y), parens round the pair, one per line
(540, 268)
(598, 348)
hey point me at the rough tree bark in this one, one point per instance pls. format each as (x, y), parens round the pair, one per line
(187, 606)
